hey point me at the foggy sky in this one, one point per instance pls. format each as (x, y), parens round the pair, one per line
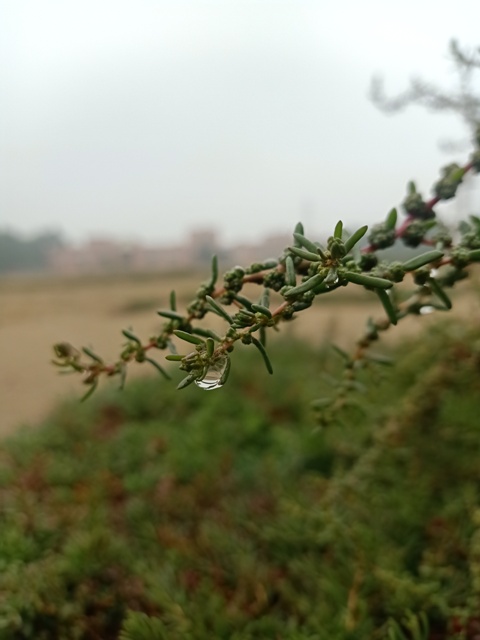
(144, 119)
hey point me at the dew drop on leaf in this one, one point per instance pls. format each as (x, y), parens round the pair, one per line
(426, 309)
(213, 378)
(333, 282)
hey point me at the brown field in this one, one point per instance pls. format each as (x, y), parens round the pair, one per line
(37, 312)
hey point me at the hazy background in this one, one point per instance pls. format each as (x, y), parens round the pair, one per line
(144, 119)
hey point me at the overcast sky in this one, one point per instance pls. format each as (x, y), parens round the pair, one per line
(144, 119)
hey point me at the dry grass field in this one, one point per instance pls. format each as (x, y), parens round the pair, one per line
(37, 312)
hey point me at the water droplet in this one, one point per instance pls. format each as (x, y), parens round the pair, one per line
(426, 309)
(213, 378)
(433, 273)
(332, 283)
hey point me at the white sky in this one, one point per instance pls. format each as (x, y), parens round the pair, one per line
(144, 119)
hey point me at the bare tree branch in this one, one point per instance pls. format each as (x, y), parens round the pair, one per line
(462, 100)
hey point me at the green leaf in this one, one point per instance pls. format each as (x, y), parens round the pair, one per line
(173, 301)
(391, 220)
(338, 230)
(270, 264)
(438, 290)
(157, 367)
(214, 277)
(474, 255)
(174, 357)
(306, 286)
(188, 337)
(290, 275)
(263, 335)
(298, 305)
(265, 298)
(307, 244)
(92, 355)
(90, 392)
(306, 255)
(354, 238)
(219, 309)
(422, 260)
(123, 376)
(206, 333)
(387, 305)
(131, 336)
(429, 224)
(299, 228)
(243, 318)
(172, 315)
(186, 381)
(332, 276)
(262, 350)
(210, 347)
(244, 301)
(457, 175)
(259, 308)
(368, 281)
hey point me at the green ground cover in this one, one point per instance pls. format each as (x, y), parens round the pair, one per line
(186, 515)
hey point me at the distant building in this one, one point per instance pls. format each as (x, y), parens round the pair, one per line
(107, 256)
(270, 247)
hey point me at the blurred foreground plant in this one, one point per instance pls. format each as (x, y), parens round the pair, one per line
(308, 270)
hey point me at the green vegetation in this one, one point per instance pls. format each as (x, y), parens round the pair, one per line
(228, 516)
